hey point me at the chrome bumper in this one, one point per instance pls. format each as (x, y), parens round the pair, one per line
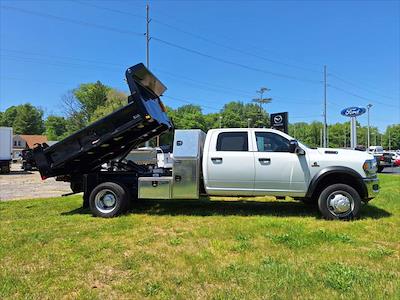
(372, 185)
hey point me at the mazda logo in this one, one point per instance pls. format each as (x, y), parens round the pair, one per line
(278, 119)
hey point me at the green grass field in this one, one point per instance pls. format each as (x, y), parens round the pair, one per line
(218, 249)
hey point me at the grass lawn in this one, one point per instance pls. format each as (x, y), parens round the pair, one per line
(218, 249)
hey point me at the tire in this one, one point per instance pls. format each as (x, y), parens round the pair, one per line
(380, 169)
(345, 207)
(108, 199)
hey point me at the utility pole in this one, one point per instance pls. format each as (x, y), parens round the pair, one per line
(320, 138)
(390, 144)
(248, 122)
(325, 129)
(220, 121)
(147, 36)
(368, 143)
(147, 143)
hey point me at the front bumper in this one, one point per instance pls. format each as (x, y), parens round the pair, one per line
(372, 185)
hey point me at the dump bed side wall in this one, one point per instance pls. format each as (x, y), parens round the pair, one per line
(111, 137)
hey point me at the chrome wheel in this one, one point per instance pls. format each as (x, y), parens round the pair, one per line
(105, 201)
(340, 203)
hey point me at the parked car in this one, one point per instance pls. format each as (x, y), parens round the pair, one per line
(223, 162)
(383, 158)
(28, 163)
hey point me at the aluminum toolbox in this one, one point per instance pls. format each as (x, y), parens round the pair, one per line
(187, 153)
(155, 187)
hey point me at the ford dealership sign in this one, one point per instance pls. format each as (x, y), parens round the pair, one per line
(353, 111)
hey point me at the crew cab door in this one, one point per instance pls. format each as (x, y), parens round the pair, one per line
(277, 170)
(230, 164)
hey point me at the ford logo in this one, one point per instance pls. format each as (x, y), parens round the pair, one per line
(353, 111)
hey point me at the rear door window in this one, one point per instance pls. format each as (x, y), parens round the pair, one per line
(232, 141)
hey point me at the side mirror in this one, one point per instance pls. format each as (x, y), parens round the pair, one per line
(295, 148)
(293, 144)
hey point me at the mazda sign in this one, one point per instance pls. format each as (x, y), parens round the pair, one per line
(280, 121)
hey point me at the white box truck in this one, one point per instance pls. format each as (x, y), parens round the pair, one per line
(6, 139)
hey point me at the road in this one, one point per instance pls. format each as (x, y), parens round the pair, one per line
(28, 185)
(391, 171)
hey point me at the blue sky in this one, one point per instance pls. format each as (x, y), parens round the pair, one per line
(209, 52)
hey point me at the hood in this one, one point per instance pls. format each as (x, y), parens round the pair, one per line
(344, 154)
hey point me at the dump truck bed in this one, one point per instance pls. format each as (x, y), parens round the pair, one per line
(113, 136)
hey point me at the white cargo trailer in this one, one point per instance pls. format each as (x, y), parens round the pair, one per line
(6, 138)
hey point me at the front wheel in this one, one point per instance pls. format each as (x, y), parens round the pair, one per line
(108, 200)
(339, 202)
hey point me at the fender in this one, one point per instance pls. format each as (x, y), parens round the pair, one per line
(335, 170)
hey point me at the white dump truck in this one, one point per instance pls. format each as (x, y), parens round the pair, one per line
(6, 140)
(223, 162)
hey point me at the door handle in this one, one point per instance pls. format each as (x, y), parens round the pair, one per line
(217, 160)
(264, 161)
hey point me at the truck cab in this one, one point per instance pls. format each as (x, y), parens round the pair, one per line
(258, 161)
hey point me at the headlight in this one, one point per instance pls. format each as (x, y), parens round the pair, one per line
(369, 166)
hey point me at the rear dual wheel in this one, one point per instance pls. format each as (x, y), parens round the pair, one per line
(109, 199)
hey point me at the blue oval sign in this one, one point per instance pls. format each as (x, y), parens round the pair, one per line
(353, 111)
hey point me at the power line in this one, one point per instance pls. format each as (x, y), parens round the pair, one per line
(108, 9)
(227, 47)
(78, 22)
(226, 89)
(361, 97)
(359, 86)
(189, 102)
(234, 63)
(43, 61)
(34, 80)
(196, 83)
(232, 48)
(84, 23)
(180, 76)
(305, 117)
(157, 39)
(62, 57)
(197, 36)
(218, 44)
(234, 39)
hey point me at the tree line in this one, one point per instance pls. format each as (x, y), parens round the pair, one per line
(92, 101)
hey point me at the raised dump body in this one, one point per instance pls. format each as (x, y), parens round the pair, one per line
(113, 136)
